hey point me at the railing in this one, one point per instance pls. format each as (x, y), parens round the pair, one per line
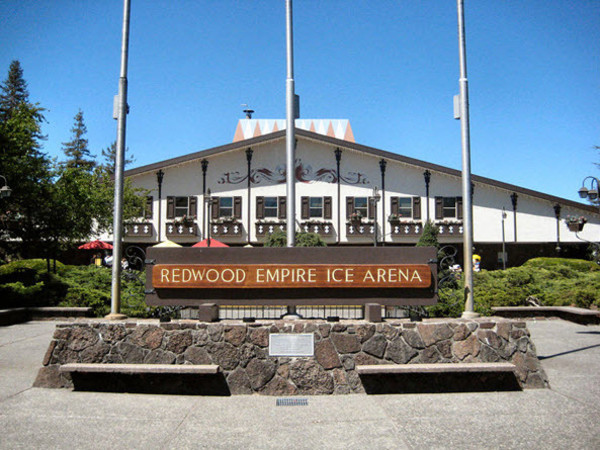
(360, 229)
(320, 228)
(175, 229)
(233, 228)
(268, 228)
(141, 229)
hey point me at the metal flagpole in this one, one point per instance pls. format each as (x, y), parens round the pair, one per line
(115, 302)
(466, 168)
(290, 135)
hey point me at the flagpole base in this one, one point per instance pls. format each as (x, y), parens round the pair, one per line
(115, 316)
(470, 315)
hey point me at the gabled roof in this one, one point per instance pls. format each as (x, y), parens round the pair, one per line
(342, 144)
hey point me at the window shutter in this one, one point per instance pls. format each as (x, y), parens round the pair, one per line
(237, 207)
(349, 206)
(304, 213)
(371, 204)
(439, 208)
(170, 208)
(260, 207)
(215, 211)
(327, 208)
(193, 209)
(416, 208)
(459, 208)
(282, 208)
(148, 209)
(394, 205)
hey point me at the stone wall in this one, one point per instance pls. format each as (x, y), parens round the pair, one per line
(241, 350)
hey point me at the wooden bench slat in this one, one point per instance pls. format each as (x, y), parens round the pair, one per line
(205, 369)
(382, 369)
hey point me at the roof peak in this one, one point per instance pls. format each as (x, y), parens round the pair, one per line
(335, 128)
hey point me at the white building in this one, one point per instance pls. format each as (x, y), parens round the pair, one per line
(336, 178)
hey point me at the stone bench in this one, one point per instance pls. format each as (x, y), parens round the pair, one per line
(132, 369)
(439, 377)
(570, 313)
(385, 369)
(191, 379)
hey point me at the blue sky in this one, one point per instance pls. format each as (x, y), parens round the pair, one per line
(390, 67)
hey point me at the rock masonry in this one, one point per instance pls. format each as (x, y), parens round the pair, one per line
(241, 350)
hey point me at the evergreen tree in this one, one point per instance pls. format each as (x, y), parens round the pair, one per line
(429, 237)
(24, 165)
(76, 150)
(110, 153)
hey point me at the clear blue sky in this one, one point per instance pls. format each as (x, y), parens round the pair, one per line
(390, 67)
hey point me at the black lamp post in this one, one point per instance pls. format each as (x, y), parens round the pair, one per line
(557, 210)
(338, 160)
(375, 199)
(427, 177)
(159, 178)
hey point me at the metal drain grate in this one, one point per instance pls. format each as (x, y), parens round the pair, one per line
(292, 402)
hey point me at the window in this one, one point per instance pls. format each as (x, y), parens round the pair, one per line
(182, 206)
(448, 208)
(270, 208)
(226, 206)
(406, 208)
(361, 206)
(316, 208)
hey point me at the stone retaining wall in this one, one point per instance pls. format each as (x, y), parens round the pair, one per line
(241, 350)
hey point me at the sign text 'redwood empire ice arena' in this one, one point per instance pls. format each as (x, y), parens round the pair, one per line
(291, 276)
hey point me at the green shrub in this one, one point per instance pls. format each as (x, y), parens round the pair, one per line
(303, 239)
(27, 283)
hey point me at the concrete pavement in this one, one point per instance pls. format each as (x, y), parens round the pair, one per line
(565, 416)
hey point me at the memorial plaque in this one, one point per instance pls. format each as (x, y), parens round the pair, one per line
(291, 344)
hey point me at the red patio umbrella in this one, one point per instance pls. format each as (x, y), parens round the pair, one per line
(213, 243)
(96, 245)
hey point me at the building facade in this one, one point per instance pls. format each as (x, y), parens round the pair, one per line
(348, 193)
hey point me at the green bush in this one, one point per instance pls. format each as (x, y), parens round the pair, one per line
(303, 239)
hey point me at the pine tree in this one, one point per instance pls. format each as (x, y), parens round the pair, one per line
(24, 165)
(76, 150)
(109, 154)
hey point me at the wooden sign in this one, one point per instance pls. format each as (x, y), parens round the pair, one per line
(291, 276)
(264, 276)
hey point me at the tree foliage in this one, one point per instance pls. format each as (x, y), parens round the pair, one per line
(76, 150)
(303, 239)
(110, 153)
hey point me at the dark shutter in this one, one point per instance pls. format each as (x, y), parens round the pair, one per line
(148, 209)
(439, 208)
(215, 211)
(282, 208)
(459, 208)
(193, 210)
(237, 207)
(416, 208)
(170, 207)
(394, 205)
(371, 203)
(349, 206)
(260, 207)
(327, 208)
(304, 212)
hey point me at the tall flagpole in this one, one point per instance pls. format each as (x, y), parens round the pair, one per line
(115, 301)
(290, 135)
(466, 168)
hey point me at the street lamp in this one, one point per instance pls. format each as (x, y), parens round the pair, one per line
(592, 193)
(159, 178)
(5, 191)
(376, 197)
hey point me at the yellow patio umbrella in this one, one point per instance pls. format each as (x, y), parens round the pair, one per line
(167, 244)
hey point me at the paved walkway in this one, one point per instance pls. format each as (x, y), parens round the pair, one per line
(565, 416)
